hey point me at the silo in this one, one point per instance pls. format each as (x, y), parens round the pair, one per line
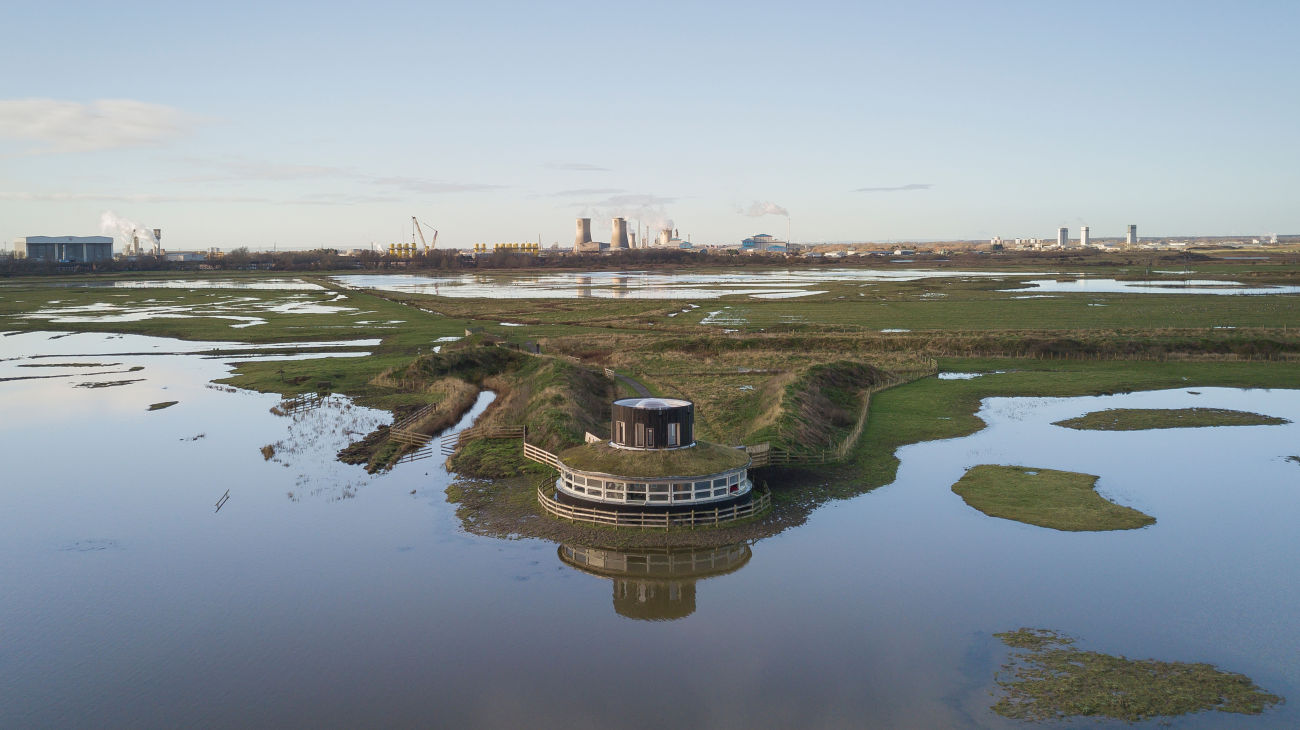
(584, 233)
(618, 237)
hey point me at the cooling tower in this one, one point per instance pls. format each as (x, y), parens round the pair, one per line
(584, 233)
(665, 235)
(618, 238)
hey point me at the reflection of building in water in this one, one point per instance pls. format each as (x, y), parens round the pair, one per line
(584, 285)
(620, 286)
(655, 584)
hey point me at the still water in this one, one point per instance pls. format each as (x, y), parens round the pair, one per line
(760, 284)
(319, 595)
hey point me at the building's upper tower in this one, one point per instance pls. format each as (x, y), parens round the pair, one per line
(653, 423)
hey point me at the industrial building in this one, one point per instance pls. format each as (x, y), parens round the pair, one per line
(1063, 237)
(64, 249)
(1084, 239)
(762, 242)
(1132, 238)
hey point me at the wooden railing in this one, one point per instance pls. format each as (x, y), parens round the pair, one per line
(453, 441)
(696, 517)
(541, 456)
(404, 430)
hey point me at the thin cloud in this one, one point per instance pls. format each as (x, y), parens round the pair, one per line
(243, 170)
(421, 185)
(154, 198)
(637, 200)
(54, 126)
(896, 188)
(583, 192)
(576, 166)
(28, 197)
(762, 208)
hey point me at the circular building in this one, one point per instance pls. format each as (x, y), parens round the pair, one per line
(653, 460)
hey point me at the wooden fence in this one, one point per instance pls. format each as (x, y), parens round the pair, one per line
(697, 517)
(404, 430)
(453, 441)
(541, 456)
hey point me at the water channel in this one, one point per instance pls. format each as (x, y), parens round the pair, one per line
(320, 595)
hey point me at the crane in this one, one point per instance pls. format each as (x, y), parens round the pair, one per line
(417, 228)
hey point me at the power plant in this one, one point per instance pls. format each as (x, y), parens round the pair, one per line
(1084, 239)
(1063, 237)
(1132, 238)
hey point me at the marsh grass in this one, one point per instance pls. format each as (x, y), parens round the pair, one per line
(1140, 419)
(1060, 500)
(1048, 678)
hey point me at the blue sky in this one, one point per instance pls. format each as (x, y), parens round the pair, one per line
(331, 124)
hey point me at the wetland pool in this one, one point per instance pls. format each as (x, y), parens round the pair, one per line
(320, 595)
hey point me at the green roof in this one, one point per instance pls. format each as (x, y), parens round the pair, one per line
(701, 459)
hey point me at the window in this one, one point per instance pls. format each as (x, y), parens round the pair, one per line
(649, 438)
(622, 433)
(720, 482)
(658, 488)
(640, 435)
(674, 434)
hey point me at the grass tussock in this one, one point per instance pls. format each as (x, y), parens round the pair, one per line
(1060, 500)
(1141, 419)
(268, 452)
(162, 405)
(1051, 679)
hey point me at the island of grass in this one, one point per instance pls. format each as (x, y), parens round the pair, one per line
(1142, 419)
(1053, 680)
(1060, 500)
(701, 459)
(162, 405)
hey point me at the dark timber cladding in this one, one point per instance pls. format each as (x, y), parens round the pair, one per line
(653, 423)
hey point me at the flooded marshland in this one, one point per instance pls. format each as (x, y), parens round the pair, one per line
(320, 595)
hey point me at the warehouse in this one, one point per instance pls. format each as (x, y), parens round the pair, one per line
(73, 249)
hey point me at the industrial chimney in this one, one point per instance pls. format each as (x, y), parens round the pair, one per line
(584, 234)
(618, 238)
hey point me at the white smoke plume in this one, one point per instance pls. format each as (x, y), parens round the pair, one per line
(648, 210)
(123, 230)
(766, 207)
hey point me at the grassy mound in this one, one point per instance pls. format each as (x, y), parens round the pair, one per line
(699, 460)
(821, 406)
(1061, 500)
(1141, 419)
(1052, 680)
(556, 400)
